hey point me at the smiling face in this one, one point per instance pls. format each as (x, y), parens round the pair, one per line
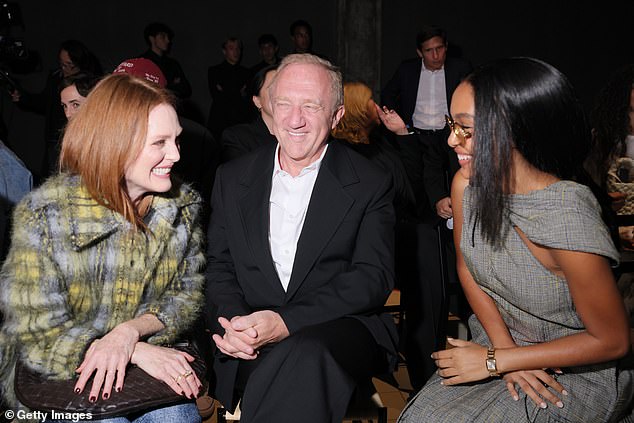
(463, 114)
(150, 171)
(303, 115)
(71, 100)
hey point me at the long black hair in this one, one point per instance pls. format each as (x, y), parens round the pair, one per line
(524, 104)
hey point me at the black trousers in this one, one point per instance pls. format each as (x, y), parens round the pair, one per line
(311, 375)
(425, 284)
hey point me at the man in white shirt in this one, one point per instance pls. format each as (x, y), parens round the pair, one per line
(300, 261)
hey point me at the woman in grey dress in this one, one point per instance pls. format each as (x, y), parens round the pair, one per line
(549, 327)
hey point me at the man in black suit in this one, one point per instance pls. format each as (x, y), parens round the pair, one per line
(420, 91)
(300, 261)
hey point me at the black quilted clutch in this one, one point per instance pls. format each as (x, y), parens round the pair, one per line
(140, 391)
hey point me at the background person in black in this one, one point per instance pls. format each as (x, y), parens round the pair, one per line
(228, 89)
(159, 37)
(268, 48)
(301, 36)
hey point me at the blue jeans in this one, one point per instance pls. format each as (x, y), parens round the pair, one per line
(181, 413)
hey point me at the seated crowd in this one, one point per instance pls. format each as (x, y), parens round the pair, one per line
(321, 205)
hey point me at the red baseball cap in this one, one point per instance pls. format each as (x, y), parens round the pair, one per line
(143, 68)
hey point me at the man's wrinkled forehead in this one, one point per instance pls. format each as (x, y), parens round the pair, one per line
(293, 75)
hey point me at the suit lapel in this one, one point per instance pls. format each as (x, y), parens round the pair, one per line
(329, 204)
(254, 213)
(451, 79)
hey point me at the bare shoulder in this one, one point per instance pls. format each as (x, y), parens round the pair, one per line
(458, 185)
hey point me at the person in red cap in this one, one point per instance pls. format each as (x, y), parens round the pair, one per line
(143, 68)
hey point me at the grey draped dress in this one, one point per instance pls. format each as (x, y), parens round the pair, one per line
(536, 305)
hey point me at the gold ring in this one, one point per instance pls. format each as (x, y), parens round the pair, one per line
(176, 379)
(187, 374)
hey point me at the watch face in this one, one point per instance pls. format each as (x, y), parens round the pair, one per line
(491, 365)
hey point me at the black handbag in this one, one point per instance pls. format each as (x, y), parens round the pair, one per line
(141, 391)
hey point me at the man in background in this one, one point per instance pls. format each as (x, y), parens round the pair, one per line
(268, 48)
(158, 37)
(228, 81)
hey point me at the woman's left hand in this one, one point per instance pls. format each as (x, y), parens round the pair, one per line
(466, 362)
(107, 357)
(537, 384)
(169, 365)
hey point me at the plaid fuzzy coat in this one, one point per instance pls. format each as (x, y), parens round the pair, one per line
(76, 269)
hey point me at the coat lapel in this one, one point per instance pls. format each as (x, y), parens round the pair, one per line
(90, 221)
(254, 214)
(329, 205)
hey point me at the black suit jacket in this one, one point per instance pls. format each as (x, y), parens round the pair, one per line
(344, 260)
(240, 139)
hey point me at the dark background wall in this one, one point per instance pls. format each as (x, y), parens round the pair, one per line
(587, 40)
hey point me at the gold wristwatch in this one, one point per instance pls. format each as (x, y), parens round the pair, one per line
(491, 364)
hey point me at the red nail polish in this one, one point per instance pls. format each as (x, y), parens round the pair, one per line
(106, 396)
(92, 399)
(77, 390)
(117, 389)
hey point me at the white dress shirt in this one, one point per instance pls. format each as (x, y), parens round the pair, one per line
(287, 208)
(431, 100)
